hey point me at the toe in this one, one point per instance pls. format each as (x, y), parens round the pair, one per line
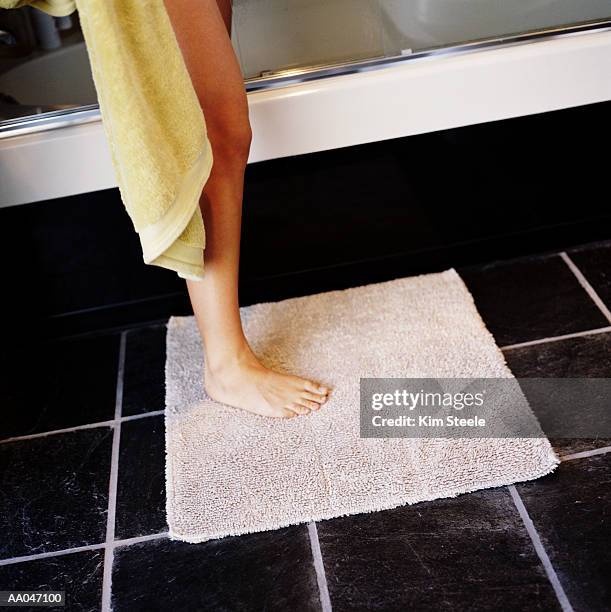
(298, 408)
(315, 388)
(309, 404)
(308, 395)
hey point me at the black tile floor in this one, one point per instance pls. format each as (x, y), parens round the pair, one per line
(83, 503)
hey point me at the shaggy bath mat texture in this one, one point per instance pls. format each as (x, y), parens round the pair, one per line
(230, 472)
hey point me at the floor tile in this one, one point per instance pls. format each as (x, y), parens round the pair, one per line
(594, 262)
(271, 570)
(58, 385)
(466, 553)
(141, 484)
(58, 488)
(571, 510)
(582, 357)
(78, 574)
(144, 376)
(531, 299)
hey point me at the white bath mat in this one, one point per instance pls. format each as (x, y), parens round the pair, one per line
(230, 472)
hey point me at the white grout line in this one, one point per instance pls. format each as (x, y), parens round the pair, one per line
(43, 434)
(325, 600)
(112, 487)
(111, 423)
(583, 281)
(603, 450)
(140, 539)
(55, 553)
(589, 332)
(135, 417)
(536, 540)
(77, 549)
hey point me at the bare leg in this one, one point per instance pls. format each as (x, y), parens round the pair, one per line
(233, 374)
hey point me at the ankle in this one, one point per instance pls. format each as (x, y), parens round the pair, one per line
(219, 363)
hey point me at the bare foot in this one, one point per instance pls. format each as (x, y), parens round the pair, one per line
(248, 384)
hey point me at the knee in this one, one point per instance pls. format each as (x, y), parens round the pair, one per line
(230, 141)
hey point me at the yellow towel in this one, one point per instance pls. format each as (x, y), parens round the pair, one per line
(153, 123)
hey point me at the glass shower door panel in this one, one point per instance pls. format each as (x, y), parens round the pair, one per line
(273, 35)
(291, 35)
(428, 24)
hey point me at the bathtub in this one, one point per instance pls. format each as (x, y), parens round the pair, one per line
(56, 78)
(397, 81)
